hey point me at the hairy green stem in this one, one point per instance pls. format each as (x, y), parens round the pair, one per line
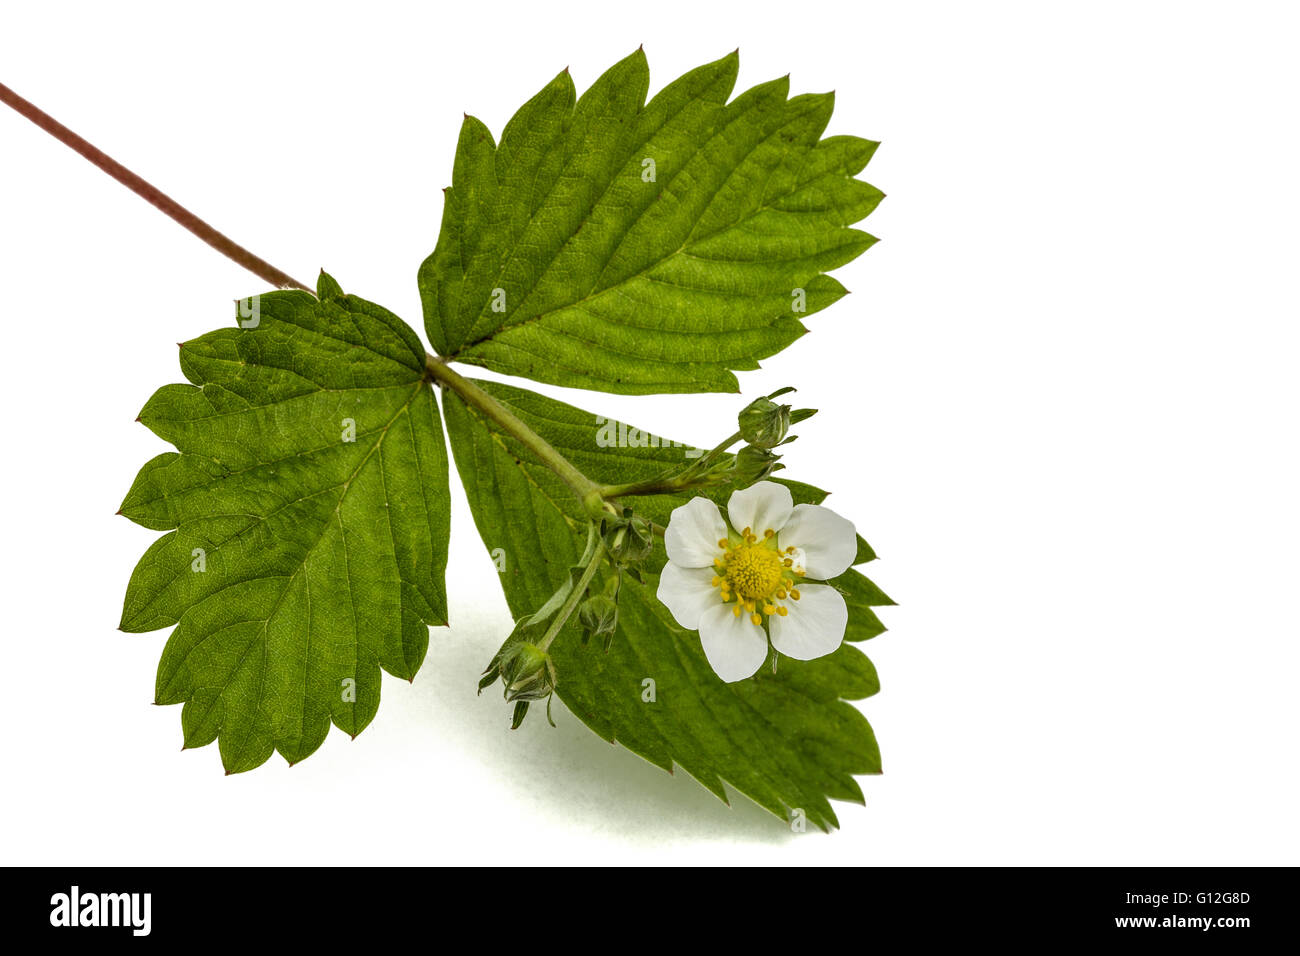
(666, 486)
(718, 449)
(589, 492)
(571, 602)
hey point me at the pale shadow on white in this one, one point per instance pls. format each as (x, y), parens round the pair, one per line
(579, 777)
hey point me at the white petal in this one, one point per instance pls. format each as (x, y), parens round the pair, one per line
(694, 531)
(736, 649)
(829, 542)
(815, 625)
(688, 593)
(762, 505)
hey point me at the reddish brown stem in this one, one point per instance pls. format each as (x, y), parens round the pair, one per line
(217, 240)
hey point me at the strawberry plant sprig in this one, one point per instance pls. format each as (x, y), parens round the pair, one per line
(605, 242)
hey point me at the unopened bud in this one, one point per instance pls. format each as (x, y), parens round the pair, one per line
(629, 539)
(754, 464)
(598, 615)
(764, 423)
(527, 672)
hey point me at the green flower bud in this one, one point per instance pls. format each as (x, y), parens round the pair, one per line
(629, 539)
(526, 671)
(764, 423)
(754, 464)
(598, 615)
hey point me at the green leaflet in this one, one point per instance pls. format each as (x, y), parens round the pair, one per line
(321, 558)
(558, 261)
(786, 740)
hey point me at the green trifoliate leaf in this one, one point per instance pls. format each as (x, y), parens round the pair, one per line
(308, 513)
(787, 740)
(614, 244)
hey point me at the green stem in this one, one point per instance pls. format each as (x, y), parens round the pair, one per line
(666, 486)
(566, 609)
(651, 486)
(720, 448)
(589, 492)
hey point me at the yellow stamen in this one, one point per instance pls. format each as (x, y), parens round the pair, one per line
(755, 572)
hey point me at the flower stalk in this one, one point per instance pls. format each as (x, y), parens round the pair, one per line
(575, 596)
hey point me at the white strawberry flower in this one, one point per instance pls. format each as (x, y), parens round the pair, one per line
(727, 582)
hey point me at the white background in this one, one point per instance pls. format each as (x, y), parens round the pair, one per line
(1060, 403)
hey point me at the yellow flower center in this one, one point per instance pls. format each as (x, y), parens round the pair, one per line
(756, 574)
(754, 570)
